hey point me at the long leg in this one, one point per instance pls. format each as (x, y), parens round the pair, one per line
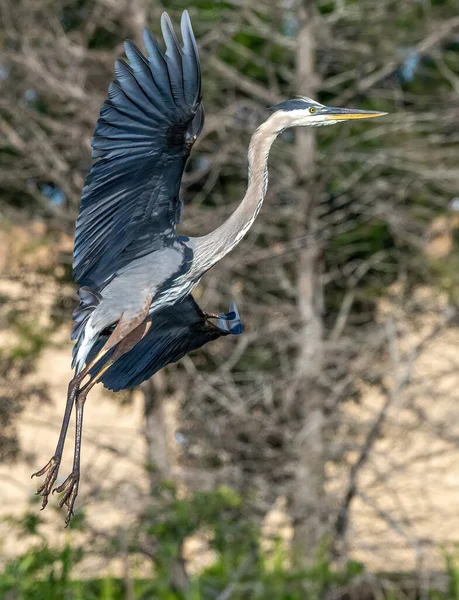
(70, 486)
(52, 467)
(121, 331)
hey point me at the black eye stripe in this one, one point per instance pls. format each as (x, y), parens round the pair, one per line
(288, 105)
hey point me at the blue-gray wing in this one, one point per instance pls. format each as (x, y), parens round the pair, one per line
(174, 331)
(142, 139)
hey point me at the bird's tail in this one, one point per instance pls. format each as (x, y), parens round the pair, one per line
(89, 300)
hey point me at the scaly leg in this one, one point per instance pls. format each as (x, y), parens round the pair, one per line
(52, 467)
(70, 486)
(121, 331)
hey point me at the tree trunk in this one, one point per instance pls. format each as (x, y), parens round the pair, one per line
(159, 458)
(307, 497)
(156, 433)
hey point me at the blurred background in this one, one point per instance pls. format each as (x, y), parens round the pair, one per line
(316, 455)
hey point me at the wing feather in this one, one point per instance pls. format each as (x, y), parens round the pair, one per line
(174, 56)
(141, 142)
(191, 66)
(174, 331)
(158, 66)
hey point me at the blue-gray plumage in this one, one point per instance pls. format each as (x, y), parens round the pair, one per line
(175, 331)
(136, 313)
(142, 140)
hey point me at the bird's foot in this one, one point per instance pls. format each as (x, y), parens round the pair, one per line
(231, 321)
(70, 490)
(52, 470)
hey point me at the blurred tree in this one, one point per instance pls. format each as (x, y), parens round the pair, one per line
(343, 226)
(308, 394)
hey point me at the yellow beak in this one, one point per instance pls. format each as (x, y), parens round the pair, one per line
(344, 114)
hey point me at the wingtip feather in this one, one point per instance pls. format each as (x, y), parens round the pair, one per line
(191, 64)
(168, 32)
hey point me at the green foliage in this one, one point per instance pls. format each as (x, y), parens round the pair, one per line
(241, 569)
(452, 568)
(41, 573)
(47, 571)
(219, 512)
(32, 340)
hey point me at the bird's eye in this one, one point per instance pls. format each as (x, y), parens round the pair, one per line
(312, 110)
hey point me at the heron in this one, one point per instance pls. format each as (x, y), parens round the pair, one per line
(136, 312)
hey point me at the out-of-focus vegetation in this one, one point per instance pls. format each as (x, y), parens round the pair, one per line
(347, 286)
(241, 569)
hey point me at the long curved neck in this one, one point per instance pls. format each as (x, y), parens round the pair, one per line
(210, 248)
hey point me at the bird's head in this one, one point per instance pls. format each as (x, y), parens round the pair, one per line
(306, 112)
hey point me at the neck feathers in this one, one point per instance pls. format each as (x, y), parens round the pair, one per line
(212, 247)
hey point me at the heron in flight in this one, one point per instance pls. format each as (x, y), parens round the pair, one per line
(136, 275)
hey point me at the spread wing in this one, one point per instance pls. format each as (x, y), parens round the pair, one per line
(175, 331)
(143, 137)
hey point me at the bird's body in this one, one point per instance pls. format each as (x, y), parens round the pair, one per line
(136, 313)
(162, 276)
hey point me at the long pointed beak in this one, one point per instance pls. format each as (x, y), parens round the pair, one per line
(344, 114)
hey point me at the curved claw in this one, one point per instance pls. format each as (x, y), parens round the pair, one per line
(45, 468)
(227, 316)
(52, 468)
(70, 490)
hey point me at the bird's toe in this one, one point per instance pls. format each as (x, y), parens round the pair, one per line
(235, 325)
